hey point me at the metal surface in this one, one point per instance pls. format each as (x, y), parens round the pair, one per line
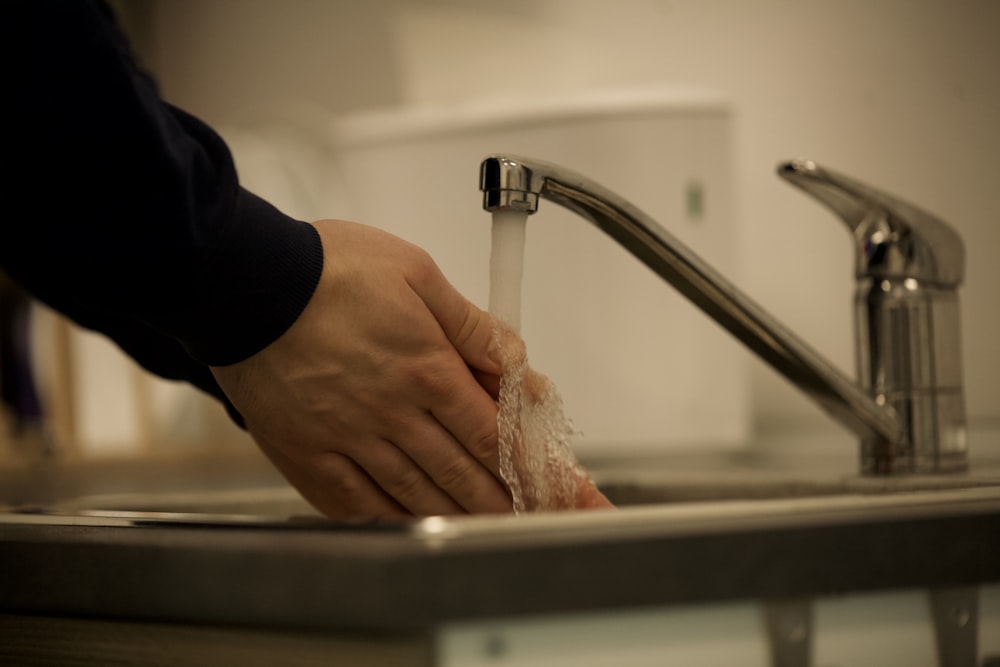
(909, 266)
(956, 622)
(268, 509)
(702, 494)
(517, 183)
(418, 574)
(789, 632)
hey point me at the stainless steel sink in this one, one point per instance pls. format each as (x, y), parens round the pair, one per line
(680, 497)
(187, 556)
(687, 487)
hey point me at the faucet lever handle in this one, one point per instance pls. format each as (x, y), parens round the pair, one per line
(893, 239)
(907, 329)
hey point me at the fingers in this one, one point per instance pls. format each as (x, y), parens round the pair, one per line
(468, 328)
(406, 481)
(469, 413)
(470, 478)
(335, 486)
(429, 473)
(589, 497)
(467, 407)
(488, 381)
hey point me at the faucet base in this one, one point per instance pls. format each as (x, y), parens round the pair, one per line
(879, 458)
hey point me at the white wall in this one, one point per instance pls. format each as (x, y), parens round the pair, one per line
(904, 94)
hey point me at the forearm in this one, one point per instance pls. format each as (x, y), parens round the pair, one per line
(133, 222)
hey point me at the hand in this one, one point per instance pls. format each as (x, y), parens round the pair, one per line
(369, 404)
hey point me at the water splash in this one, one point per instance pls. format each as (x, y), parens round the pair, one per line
(537, 462)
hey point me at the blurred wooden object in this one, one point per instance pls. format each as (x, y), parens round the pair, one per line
(145, 418)
(61, 405)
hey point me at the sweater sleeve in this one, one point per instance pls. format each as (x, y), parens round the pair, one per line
(126, 214)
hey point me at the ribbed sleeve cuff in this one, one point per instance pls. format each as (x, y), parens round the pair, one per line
(262, 277)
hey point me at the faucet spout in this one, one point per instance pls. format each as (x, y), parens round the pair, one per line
(512, 182)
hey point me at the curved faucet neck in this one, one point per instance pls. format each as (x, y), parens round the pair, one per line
(509, 181)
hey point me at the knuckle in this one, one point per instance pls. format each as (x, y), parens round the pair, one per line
(345, 480)
(402, 481)
(455, 475)
(340, 472)
(347, 491)
(485, 445)
(421, 266)
(429, 381)
(471, 323)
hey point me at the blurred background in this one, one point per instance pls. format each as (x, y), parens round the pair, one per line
(901, 94)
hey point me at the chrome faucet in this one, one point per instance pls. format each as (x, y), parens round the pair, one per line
(908, 409)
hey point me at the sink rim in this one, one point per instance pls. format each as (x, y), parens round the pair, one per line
(627, 522)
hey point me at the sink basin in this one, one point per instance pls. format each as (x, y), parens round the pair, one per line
(721, 486)
(680, 494)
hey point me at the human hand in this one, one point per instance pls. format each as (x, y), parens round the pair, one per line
(372, 404)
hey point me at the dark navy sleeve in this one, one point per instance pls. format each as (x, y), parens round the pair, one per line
(125, 213)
